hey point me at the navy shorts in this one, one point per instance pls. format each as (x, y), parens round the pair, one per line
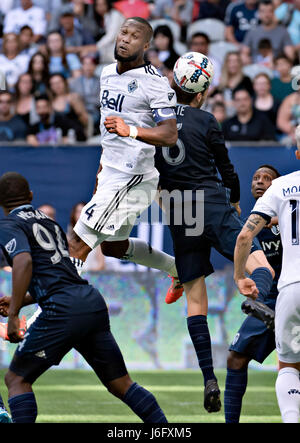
(50, 337)
(254, 339)
(192, 253)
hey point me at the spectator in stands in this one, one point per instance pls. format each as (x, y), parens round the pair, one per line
(239, 19)
(49, 210)
(288, 116)
(282, 85)
(95, 261)
(219, 111)
(232, 77)
(263, 100)
(26, 14)
(181, 11)
(75, 36)
(212, 9)
(59, 61)
(25, 100)
(26, 39)
(12, 127)
(38, 69)
(68, 104)
(163, 42)
(88, 87)
(267, 29)
(109, 21)
(12, 63)
(52, 128)
(248, 124)
(200, 42)
(288, 14)
(265, 54)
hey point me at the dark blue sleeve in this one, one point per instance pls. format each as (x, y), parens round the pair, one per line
(13, 240)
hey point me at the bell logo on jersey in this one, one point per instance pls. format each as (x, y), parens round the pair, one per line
(112, 103)
(11, 246)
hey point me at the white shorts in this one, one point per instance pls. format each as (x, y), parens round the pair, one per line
(112, 212)
(287, 324)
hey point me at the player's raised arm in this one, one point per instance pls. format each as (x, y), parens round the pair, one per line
(252, 227)
(164, 134)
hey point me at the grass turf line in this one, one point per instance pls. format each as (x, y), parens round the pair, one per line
(76, 396)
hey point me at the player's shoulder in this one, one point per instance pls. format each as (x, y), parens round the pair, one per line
(205, 117)
(109, 69)
(291, 178)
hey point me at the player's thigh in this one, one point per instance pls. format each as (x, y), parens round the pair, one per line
(100, 349)
(287, 324)
(45, 343)
(223, 227)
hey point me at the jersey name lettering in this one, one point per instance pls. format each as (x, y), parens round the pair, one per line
(29, 214)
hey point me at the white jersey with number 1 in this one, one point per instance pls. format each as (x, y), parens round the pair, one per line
(282, 199)
(141, 97)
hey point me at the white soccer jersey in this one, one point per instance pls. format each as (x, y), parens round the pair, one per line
(137, 96)
(282, 198)
(13, 68)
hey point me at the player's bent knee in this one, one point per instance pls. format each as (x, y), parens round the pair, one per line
(114, 249)
(11, 379)
(119, 386)
(237, 361)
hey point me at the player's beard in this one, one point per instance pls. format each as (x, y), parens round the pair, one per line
(131, 58)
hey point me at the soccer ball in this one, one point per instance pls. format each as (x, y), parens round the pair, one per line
(193, 72)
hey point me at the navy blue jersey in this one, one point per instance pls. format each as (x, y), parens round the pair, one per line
(270, 241)
(55, 281)
(200, 158)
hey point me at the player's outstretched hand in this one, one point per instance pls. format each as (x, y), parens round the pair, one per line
(13, 329)
(247, 287)
(117, 125)
(4, 305)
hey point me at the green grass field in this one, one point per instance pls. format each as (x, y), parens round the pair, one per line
(76, 396)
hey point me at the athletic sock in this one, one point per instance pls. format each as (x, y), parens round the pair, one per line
(142, 253)
(263, 280)
(288, 394)
(78, 264)
(144, 404)
(200, 336)
(235, 388)
(23, 408)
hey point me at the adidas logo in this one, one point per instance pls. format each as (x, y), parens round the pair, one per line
(293, 391)
(41, 354)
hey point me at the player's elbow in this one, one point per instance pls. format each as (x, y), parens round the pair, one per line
(244, 238)
(171, 139)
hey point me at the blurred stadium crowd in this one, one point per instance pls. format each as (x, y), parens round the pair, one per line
(52, 53)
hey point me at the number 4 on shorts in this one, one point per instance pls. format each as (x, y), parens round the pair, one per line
(90, 211)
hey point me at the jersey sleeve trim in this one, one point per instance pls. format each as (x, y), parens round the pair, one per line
(263, 215)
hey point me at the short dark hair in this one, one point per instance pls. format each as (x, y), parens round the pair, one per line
(282, 56)
(14, 190)
(200, 34)
(44, 97)
(145, 23)
(236, 90)
(272, 169)
(182, 96)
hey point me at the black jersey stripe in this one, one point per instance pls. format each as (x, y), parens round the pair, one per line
(113, 205)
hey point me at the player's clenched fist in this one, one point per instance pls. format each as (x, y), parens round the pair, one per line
(247, 287)
(117, 125)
